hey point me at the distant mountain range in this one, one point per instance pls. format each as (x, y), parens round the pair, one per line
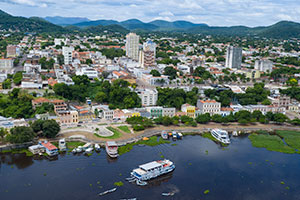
(132, 24)
(282, 30)
(66, 20)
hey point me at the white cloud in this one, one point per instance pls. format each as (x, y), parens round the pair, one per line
(166, 13)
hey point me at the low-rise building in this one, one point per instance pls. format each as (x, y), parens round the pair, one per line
(91, 73)
(169, 112)
(188, 109)
(155, 112)
(209, 106)
(51, 150)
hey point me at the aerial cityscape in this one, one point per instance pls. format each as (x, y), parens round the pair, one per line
(149, 100)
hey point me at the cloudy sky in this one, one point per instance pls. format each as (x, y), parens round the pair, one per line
(212, 12)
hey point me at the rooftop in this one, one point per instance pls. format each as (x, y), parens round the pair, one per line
(150, 165)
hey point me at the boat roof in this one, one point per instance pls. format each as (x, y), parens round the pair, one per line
(150, 165)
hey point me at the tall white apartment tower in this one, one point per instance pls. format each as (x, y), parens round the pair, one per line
(234, 57)
(67, 52)
(132, 46)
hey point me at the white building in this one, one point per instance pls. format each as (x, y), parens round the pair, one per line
(148, 97)
(67, 52)
(264, 65)
(132, 46)
(91, 73)
(209, 106)
(170, 112)
(233, 57)
(6, 64)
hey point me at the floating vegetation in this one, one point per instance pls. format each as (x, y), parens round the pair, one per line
(12, 167)
(153, 141)
(45, 174)
(174, 144)
(162, 156)
(17, 151)
(282, 183)
(287, 187)
(120, 174)
(93, 164)
(250, 163)
(209, 136)
(98, 182)
(190, 163)
(206, 152)
(206, 191)
(119, 184)
(271, 143)
(91, 185)
(292, 138)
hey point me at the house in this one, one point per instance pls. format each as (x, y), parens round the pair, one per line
(51, 150)
(188, 109)
(209, 106)
(170, 112)
(226, 111)
(155, 111)
(36, 149)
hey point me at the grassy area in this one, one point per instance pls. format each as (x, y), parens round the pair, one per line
(73, 145)
(14, 151)
(271, 143)
(124, 128)
(292, 138)
(153, 141)
(116, 134)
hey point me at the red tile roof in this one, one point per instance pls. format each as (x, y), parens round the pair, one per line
(49, 146)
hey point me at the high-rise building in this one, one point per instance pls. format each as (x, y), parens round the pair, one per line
(132, 46)
(67, 52)
(234, 57)
(264, 65)
(148, 97)
(6, 64)
(147, 57)
(12, 51)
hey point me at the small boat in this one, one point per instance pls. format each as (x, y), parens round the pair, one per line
(107, 191)
(167, 193)
(86, 146)
(62, 145)
(235, 133)
(79, 149)
(141, 183)
(220, 135)
(174, 136)
(74, 151)
(97, 147)
(145, 138)
(164, 135)
(111, 148)
(179, 136)
(89, 150)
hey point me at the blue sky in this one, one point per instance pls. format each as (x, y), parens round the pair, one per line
(212, 12)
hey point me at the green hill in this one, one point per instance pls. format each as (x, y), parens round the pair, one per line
(22, 24)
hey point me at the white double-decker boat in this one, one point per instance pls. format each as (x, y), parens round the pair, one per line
(221, 135)
(111, 148)
(152, 170)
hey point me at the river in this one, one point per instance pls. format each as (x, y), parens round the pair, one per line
(238, 171)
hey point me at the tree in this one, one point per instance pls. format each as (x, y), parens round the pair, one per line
(100, 97)
(217, 118)
(154, 72)
(203, 118)
(6, 84)
(266, 102)
(50, 128)
(37, 125)
(171, 72)
(3, 133)
(60, 59)
(17, 78)
(20, 134)
(280, 118)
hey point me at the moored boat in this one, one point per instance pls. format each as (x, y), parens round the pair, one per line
(62, 145)
(164, 135)
(89, 150)
(97, 147)
(107, 191)
(111, 148)
(221, 135)
(179, 136)
(152, 170)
